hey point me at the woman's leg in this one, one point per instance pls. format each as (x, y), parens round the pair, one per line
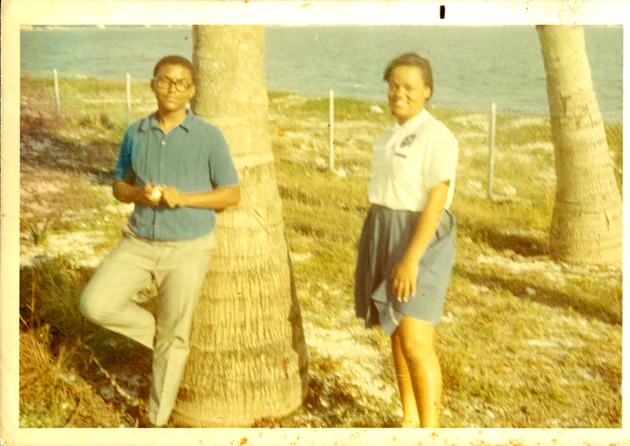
(414, 339)
(411, 418)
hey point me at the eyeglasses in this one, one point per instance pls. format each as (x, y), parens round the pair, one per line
(165, 84)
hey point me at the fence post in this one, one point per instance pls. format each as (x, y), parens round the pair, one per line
(491, 138)
(331, 128)
(57, 102)
(128, 98)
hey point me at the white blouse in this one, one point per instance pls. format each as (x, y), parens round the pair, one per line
(409, 159)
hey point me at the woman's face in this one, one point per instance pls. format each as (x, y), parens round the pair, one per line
(407, 92)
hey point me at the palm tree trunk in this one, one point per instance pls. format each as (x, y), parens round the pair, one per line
(586, 225)
(248, 356)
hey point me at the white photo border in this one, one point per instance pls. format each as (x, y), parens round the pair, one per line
(17, 13)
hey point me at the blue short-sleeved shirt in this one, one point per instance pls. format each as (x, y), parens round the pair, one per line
(192, 157)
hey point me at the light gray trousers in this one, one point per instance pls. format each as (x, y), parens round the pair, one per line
(179, 270)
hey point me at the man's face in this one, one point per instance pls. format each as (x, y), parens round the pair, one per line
(166, 85)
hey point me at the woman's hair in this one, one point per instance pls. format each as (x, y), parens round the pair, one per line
(412, 60)
(176, 60)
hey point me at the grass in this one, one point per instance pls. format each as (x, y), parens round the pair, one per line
(524, 342)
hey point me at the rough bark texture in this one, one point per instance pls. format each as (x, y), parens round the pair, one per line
(586, 226)
(248, 355)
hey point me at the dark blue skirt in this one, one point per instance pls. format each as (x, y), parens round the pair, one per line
(385, 236)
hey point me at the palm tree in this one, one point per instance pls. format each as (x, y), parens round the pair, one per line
(248, 355)
(586, 226)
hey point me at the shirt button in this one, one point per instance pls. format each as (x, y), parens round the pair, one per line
(163, 143)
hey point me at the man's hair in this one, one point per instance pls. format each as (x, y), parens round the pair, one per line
(176, 60)
(412, 60)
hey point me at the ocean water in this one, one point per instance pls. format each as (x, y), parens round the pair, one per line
(473, 66)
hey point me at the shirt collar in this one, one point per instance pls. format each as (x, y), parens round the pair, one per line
(412, 123)
(151, 122)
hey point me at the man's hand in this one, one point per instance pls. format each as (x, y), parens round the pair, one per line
(172, 197)
(150, 195)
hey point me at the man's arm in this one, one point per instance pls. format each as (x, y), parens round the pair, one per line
(152, 195)
(128, 193)
(218, 198)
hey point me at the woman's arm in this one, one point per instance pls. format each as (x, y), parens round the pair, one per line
(405, 272)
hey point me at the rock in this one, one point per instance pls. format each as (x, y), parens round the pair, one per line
(376, 109)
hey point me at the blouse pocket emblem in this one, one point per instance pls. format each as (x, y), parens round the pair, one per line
(408, 140)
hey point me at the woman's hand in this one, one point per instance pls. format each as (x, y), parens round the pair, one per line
(403, 279)
(405, 272)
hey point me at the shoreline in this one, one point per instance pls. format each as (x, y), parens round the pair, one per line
(325, 97)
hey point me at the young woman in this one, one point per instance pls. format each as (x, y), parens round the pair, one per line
(407, 246)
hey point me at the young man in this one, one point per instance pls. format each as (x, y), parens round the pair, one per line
(177, 170)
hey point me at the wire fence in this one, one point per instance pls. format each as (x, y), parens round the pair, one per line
(501, 150)
(128, 102)
(499, 147)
